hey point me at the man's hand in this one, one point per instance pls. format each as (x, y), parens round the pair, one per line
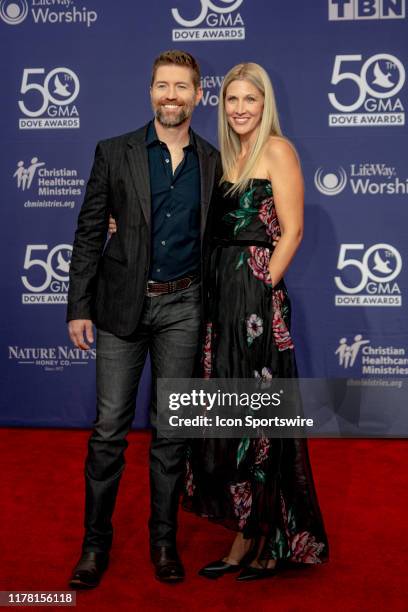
(113, 228)
(79, 330)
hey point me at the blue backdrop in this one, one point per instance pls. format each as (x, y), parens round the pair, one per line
(77, 72)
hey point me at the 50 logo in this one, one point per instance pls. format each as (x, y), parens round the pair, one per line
(206, 6)
(374, 87)
(372, 276)
(48, 274)
(56, 91)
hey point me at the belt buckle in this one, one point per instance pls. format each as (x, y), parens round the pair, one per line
(148, 292)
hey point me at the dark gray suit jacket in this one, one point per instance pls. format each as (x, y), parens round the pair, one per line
(108, 284)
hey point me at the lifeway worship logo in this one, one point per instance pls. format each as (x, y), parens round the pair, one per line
(347, 10)
(50, 358)
(368, 280)
(52, 105)
(380, 360)
(211, 88)
(371, 98)
(49, 182)
(47, 277)
(363, 179)
(14, 12)
(219, 20)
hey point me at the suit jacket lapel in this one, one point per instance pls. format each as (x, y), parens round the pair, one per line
(207, 171)
(139, 169)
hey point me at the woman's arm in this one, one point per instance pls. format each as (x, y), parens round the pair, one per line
(288, 192)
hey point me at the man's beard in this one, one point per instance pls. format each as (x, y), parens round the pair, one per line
(173, 120)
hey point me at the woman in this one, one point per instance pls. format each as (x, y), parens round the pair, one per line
(261, 488)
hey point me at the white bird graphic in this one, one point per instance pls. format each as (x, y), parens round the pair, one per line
(63, 265)
(381, 78)
(60, 89)
(381, 265)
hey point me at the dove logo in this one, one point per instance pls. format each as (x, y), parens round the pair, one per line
(371, 99)
(373, 276)
(52, 107)
(219, 17)
(13, 12)
(48, 277)
(347, 10)
(330, 183)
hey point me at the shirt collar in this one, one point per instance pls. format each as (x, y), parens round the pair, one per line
(151, 137)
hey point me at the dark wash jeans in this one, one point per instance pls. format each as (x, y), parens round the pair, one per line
(169, 330)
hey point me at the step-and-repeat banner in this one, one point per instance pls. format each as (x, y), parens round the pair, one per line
(76, 71)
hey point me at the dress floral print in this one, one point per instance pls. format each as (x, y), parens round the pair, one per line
(261, 487)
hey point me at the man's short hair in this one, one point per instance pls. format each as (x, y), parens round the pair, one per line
(175, 57)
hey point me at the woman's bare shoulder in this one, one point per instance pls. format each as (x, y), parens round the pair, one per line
(280, 149)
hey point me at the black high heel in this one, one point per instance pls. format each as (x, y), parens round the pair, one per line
(216, 569)
(219, 568)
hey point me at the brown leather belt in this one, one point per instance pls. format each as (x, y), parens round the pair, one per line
(154, 289)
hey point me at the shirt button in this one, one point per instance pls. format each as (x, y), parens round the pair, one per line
(168, 215)
(172, 187)
(157, 269)
(163, 242)
(167, 161)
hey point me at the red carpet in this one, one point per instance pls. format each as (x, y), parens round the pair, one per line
(363, 491)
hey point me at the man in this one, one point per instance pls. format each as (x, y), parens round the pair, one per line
(142, 290)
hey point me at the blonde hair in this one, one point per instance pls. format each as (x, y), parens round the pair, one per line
(229, 141)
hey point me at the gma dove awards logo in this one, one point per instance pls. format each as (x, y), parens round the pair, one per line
(47, 274)
(365, 94)
(52, 105)
(367, 276)
(218, 20)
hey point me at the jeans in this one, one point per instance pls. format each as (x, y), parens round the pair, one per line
(169, 329)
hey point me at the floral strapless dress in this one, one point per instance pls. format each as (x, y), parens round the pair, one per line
(262, 487)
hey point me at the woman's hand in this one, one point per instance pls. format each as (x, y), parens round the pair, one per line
(113, 228)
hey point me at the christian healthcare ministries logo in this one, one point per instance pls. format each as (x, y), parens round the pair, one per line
(219, 20)
(342, 10)
(380, 360)
(363, 179)
(367, 95)
(14, 12)
(370, 279)
(51, 106)
(50, 358)
(40, 181)
(48, 276)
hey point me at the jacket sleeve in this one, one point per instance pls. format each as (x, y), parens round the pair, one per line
(90, 238)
